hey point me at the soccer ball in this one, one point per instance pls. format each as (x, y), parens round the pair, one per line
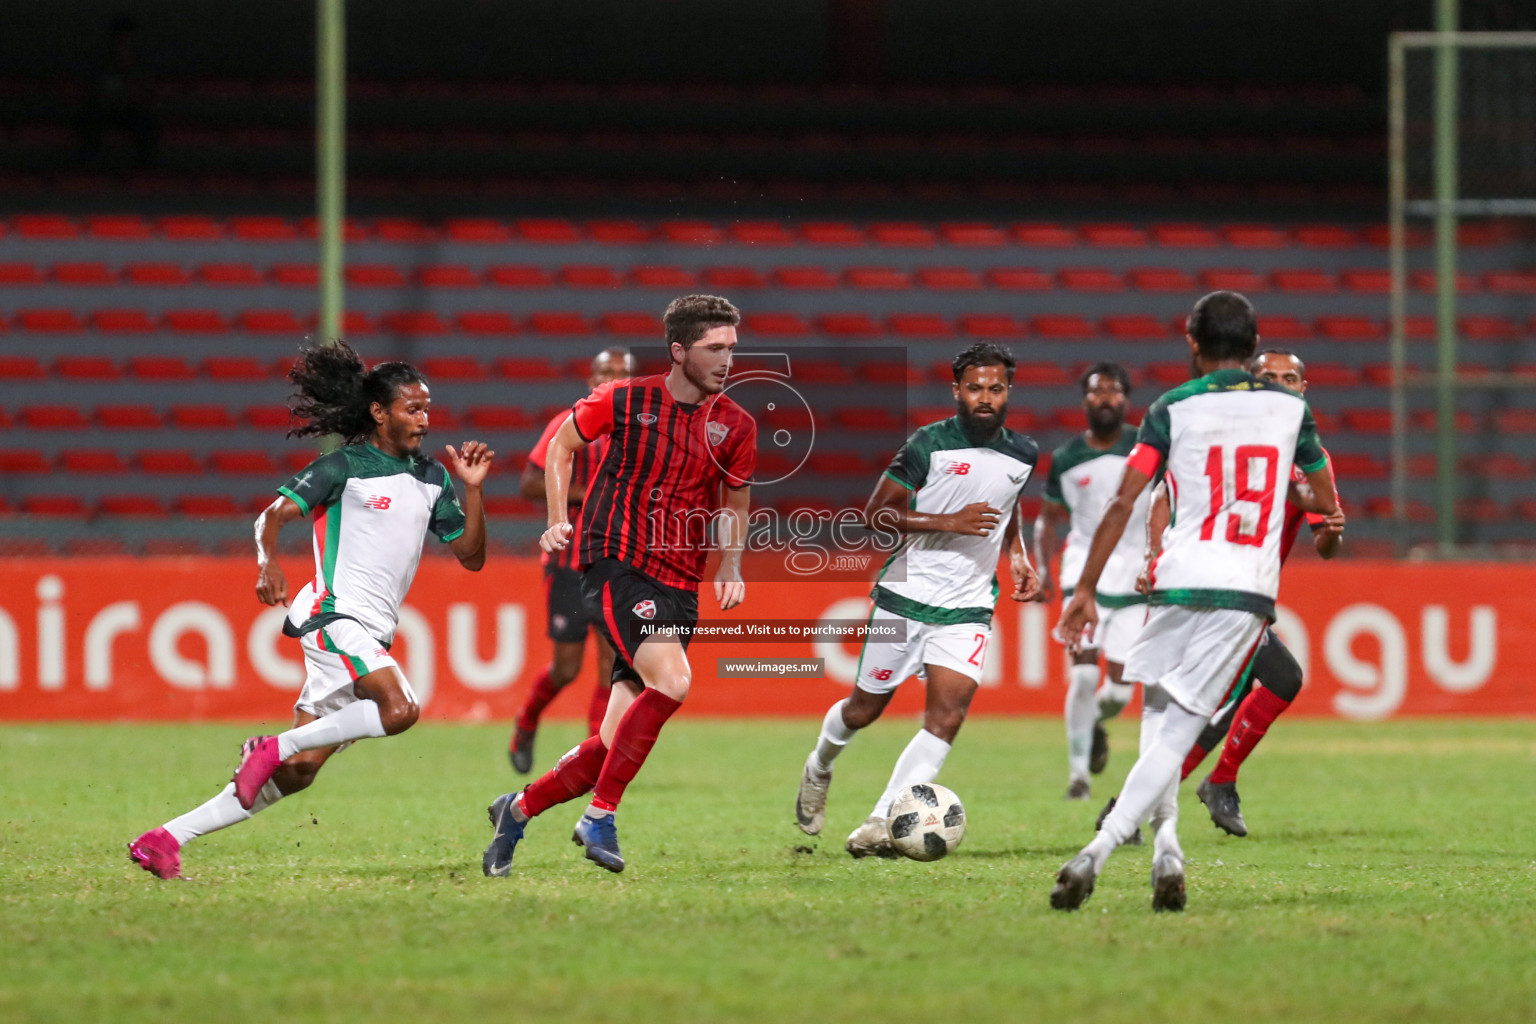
(927, 821)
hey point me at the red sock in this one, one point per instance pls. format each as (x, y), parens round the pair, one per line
(1197, 753)
(1254, 716)
(571, 776)
(597, 709)
(538, 699)
(632, 744)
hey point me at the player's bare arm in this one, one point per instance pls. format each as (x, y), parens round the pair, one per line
(470, 464)
(887, 512)
(271, 584)
(531, 485)
(1330, 531)
(730, 590)
(1053, 516)
(1081, 615)
(1026, 581)
(557, 485)
(1158, 515)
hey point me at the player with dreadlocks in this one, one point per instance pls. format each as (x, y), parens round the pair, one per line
(373, 500)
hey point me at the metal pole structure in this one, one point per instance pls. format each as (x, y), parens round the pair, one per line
(1397, 172)
(330, 156)
(1446, 66)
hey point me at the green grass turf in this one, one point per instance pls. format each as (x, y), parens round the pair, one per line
(1390, 876)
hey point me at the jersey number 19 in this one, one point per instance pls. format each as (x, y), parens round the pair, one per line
(1241, 471)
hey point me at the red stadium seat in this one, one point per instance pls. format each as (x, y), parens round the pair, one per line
(528, 368)
(128, 417)
(1042, 375)
(49, 321)
(119, 227)
(892, 373)
(201, 417)
(902, 235)
(816, 278)
(1063, 327)
(1332, 375)
(632, 323)
(454, 368)
(1044, 235)
(821, 371)
(549, 231)
(559, 323)
(726, 279)
(848, 324)
(1167, 374)
(691, 232)
(1367, 421)
(1135, 327)
(42, 225)
(374, 275)
(1480, 510)
(1020, 279)
(1425, 419)
(478, 230)
(1510, 282)
(55, 506)
(993, 325)
(1233, 279)
(1304, 281)
(663, 277)
(168, 462)
(160, 368)
(1255, 236)
(776, 323)
(1358, 466)
(413, 322)
(352, 230)
(837, 233)
(761, 232)
(878, 278)
(948, 278)
(1488, 327)
(244, 463)
(53, 417)
(1515, 421)
(122, 321)
(519, 277)
(1502, 466)
(195, 321)
(1426, 281)
(973, 235)
(1380, 374)
(1117, 236)
(194, 227)
(590, 276)
(295, 275)
(269, 321)
(88, 273)
(1367, 281)
(1277, 328)
(1091, 279)
(21, 368)
(1326, 422)
(87, 368)
(1185, 236)
(923, 415)
(499, 417)
(295, 460)
(206, 505)
(1161, 279)
(618, 232)
(352, 322)
(1352, 328)
(851, 464)
(24, 460)
(263, 229)
(268, 417)
(493, 323)
(923, 325)
(156, 275)
(229, 275)
(234, 368)
(136, 505)
(868, 419)
(20, 274)
(1327, 236)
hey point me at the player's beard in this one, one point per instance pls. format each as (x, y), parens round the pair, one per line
(1105, 419)
(705, 382)
(984, 428)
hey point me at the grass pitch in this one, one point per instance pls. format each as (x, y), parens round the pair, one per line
(1391, 876)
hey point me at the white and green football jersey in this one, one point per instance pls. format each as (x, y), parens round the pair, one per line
(1227, 443)
(1086, 479)
(372, 511)
(945, 578)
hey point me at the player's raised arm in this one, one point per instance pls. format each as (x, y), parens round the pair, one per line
(730, 590)
(271, 584)
(557, 485)
(470, 464)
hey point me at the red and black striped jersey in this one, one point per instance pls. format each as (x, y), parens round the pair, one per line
(584, 462)
(659, 485)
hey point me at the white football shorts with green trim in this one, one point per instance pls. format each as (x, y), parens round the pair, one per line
(335, 656)
(884, 666)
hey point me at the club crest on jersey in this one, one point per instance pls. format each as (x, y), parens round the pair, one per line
(645, 418)
(645, 609)
(717, 432)
(958, 468)
(378, 501)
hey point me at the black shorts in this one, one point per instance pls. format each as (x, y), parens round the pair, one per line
(568, 621)
(627, 606)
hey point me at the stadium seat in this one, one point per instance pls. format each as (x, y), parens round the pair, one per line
(206, 505)
(1307, 282)
(84, 273)
(1501, 466)
(447, 275)
(1367, 421)
(352, 230)
(1332, 375)
(295, 460)
(691, 232)
(45, 226)
(95, 547)
(1042, 375)
(559, 323)
(776, 323)
(234, 368)
(1255, 236)
(475, 322)
(295, 275)
(195, 321)
(53, 417)
(1425, 281)
(1488, 327)
(549, 231)
(727, 279)
(919, 325)
(413, 322)
(1367, 281)
(1510, 282)
(244, 463)
(663, 277)
(228, 275)
(973, 235)
(519, 277)
(1480, 510)
(374, 275)
(527, 368)
(1044, 235)
(848, 324)
(993, 325)
(269, 321)
(24, 460)
(1185, 236)
(590, 276)
(478, 230)
(136, 505)
(1425, 419)
(454, 368)
(21, 368)
(1358, 466)
(127, 417)
(1063, 327)
(637, 323)
(902, 235)
(1118, 236)
(122, 321)
(1515, 421)
(55, 506)
(1233, 279)
(20, 274)
(1277, 328)
(873, 419)
(1020, 279)
(1161, 279)
(618, 232)
(86, 368)
(168, 463)
(816, 278)
(878, 279)
(499, 417)
(267, 417)
(1091, 279)
(49, 321)
(160, 368)
(1135, 327)
(949, 279)
(510, 505)
(119, 227)
(831, 233)
(262, 229)
(848, 464)
(1167, 374)
(156, 275)
(761, 232)
(1326, 236)
(201, 417)
(1346, 328)
(190, 228)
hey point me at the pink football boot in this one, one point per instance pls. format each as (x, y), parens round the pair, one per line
(259, 759)
(157, 852)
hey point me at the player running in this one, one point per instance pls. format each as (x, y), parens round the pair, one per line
(1225, 441)
(374, 500)
(1085, 473)
(568, 624)
(680, 455)
(953, 489)
(1255, 708)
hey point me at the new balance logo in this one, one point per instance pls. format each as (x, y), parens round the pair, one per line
(378, 501)
(881, 674)
(959, 468)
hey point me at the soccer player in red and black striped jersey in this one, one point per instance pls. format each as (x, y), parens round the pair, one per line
(680, 458)
(568, 624)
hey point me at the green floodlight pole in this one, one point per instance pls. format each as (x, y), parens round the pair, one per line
(1446, 187)
(330, 154)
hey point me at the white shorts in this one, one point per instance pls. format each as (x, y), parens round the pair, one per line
(1195, 654)
(1116, 631)
(885, 666)
(335, 656)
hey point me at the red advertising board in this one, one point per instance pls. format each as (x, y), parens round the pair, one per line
(182, 639)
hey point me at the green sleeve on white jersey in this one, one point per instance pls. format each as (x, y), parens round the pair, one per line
(447, 514)
(320, 483)
(1053, 490)
(1310, 456)
(1156, 429)
(910, 466)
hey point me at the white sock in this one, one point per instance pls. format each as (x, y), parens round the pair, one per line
(835, 735)
(1082, 713)
(1112, 697)
(358, 720)
(1148, 781)
(920, 762)
(1165, 823)
(1154, 700)
(220, 812)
